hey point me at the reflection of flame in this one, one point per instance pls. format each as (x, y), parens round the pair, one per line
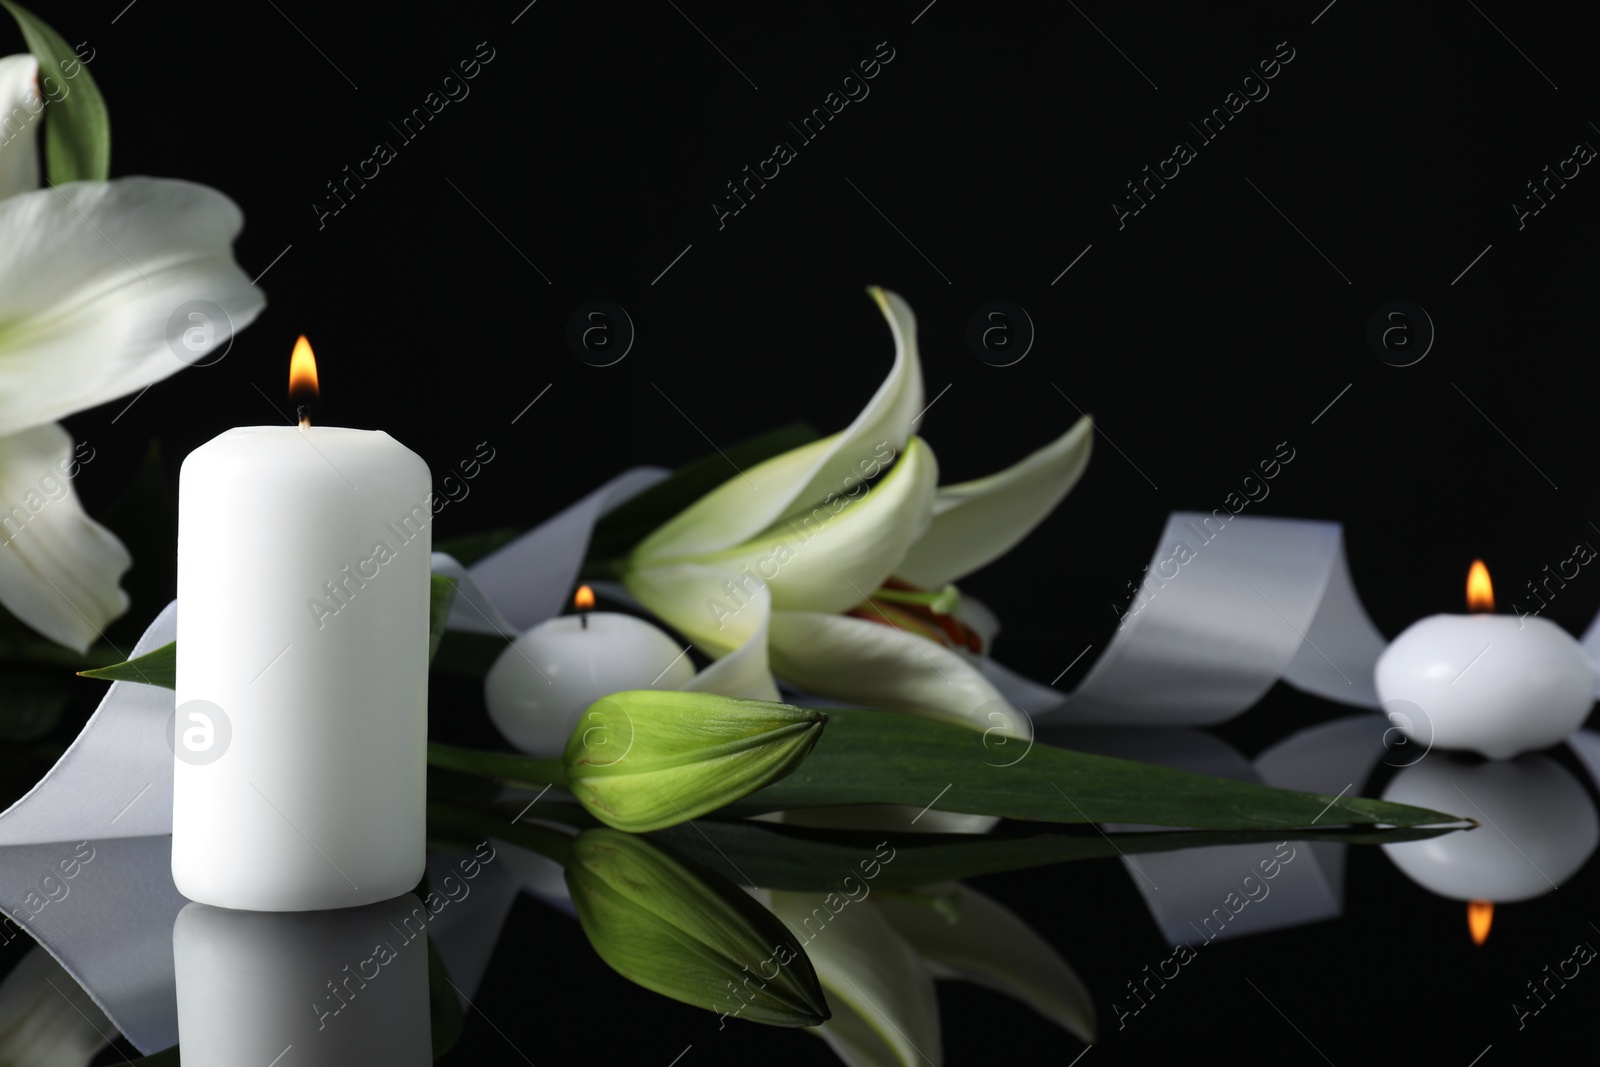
(1480, 594)
(1480, 913)
(303, 371)
(583, 599)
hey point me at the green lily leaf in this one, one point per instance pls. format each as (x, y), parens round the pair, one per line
(77, 130)
(686, 932)
(876, 757)
(470, 548)
(870, 757)
(775, 856)
(441, 593)
(34, 700)
(648, 758)
(160, 666)
(156, 667)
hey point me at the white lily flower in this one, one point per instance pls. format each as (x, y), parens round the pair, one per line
(90, 275)
(960, 933)
(46, 1017)
(851, 573)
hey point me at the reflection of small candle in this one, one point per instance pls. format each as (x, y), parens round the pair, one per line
(1493, 684)
(1539, 827)
(546, 678)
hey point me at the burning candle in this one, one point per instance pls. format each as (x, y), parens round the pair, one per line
(550, 675)
(301, 723)
(1489, 683)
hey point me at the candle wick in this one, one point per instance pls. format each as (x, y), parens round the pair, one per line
(583, 619)
(304, 411)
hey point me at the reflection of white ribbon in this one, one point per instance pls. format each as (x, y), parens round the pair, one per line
(1259, 600)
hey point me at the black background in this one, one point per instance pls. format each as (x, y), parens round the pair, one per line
(1201, 334)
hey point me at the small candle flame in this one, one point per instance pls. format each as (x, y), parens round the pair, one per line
(1480, 914)
(303, 372)
(1480, 594)
(583, 599)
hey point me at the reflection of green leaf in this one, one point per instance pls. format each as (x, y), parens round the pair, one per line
(157, 667)
(77, 130)
(160, 667)
(625, 525)
(775, 856)
(682, 930)
(167, 1057)
(32, 703)
(872, 757)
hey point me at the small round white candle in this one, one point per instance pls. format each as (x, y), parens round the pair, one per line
(1539, 827)
(1494, 684)
(302, 683)
(548, 676)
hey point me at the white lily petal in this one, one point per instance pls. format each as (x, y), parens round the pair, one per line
(91, 277)
(832, 561)
(700, 601)
(885, 1011)
(46, 1017)
(828, 562)
(21, 110)
(59, 568)
(791, 483)
(874, 665)
(744, 672)
(976, 522)
(978, 939)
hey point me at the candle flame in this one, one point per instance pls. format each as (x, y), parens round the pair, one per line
(1480, 594)
(583, 599)
(303, 372)
(1480, 913)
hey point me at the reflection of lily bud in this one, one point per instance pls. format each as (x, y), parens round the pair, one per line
(340, 987)
(688, 933)
(1538, 827)
(646, 759)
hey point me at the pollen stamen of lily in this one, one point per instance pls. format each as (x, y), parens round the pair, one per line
(905, 607)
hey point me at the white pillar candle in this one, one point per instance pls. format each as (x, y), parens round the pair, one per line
(335, 987)
(1494, 684)
(548, 676)
(301, 721)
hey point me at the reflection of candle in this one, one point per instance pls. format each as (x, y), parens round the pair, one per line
(1490, 683)
(247, 979)
(301, 726)
(1539, 827)
(546, 678)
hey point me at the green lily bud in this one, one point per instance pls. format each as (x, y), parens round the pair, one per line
(647, 759)
(688, 933)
